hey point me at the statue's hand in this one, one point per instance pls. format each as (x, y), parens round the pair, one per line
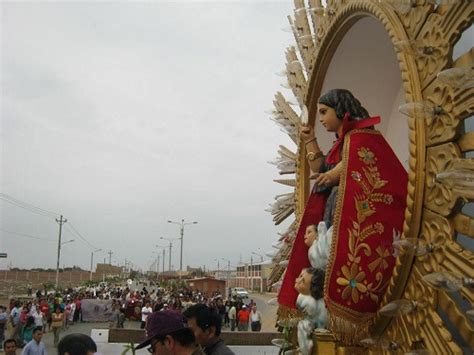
(306, 133)
(326, 179)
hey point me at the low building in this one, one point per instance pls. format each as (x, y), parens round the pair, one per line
(108, 270)
(223, 274)
(252, 276)
(175, 275)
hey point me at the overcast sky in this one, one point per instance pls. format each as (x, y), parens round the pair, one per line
(122, 115)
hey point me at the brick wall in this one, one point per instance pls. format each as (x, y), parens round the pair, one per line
(37, 278)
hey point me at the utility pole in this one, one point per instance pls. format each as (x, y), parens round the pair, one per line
(164, 250)
(218, 268)
(92, 261)
(181, 249)
(110, 257)
(170, 246)
(61, 221)
(181, 229)
(169, 257)
(251, 275)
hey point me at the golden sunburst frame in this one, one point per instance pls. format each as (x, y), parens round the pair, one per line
(422, 35)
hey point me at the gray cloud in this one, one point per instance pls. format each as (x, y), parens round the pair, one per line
(123, 115)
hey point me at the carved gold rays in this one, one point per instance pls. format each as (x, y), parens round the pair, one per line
(441, 173)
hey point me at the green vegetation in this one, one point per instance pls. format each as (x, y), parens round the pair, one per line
(129, 347)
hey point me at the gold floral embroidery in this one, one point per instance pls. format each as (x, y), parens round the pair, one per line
(366, 156)
(383, 253)
(354, 279)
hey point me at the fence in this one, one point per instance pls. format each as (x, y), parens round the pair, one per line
(38, 278)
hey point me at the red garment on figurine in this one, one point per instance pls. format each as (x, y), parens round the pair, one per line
(313, 213)
(370, 207)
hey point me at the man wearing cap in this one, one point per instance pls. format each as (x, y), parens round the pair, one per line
(168, 334)
(206, 325)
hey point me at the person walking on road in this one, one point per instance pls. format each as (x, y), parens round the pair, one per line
(27, 330)
(232, 316)
(255, 319)
(38, 317)
(15, 320)
(3, 324)
(57, 324)
(243, 317)
(146, 311)
(35, 346)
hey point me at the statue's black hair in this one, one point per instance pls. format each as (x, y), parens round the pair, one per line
(342, 101)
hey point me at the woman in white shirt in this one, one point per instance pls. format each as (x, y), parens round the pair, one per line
(38, 316)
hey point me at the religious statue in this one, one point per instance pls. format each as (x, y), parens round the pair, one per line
(318, 244)
(310, 301)
(355, 208)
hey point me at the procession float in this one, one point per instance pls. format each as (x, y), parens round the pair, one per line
(376, 250)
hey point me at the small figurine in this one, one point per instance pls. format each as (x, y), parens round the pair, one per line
(319, 244)
(310, 285)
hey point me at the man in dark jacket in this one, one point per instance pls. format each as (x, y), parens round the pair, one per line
(206, 325)
(168, 333)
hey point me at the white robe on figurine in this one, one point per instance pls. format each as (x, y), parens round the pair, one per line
(315, 316)
(318, 252)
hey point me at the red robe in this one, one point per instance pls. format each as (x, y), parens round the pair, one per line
(369, 213)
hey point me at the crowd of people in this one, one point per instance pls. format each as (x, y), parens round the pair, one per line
(48, 313)
(235, 314)
(205, 314)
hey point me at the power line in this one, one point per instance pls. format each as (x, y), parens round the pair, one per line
(80, 235)
(28, 206)
(74, 230)
(26, 235)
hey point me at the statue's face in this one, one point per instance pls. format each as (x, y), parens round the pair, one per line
(328, 118)
(303, 283)
(310, 235)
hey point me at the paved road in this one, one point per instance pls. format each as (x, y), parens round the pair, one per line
(268, 311)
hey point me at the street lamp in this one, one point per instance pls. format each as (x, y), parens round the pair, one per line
(59, 256)
(92, 259)
(170, 246)
(181, 227)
